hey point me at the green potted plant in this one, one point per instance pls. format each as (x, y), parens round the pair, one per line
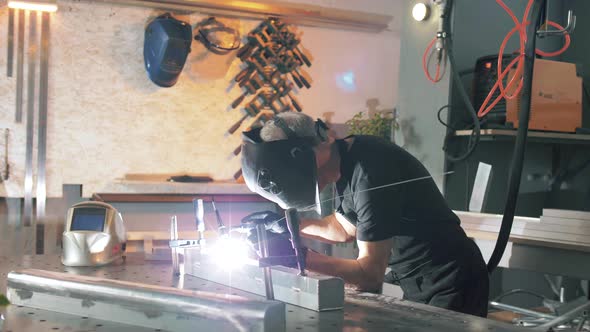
(3, 301)
(381, 124)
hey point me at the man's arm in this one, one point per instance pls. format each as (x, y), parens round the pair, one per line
(366, 272)
(332, 229)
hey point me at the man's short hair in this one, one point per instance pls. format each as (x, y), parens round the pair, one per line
(302, 125)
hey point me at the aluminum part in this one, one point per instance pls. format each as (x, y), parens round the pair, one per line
(10, 43)
(174, 250)
(31, 71)
(144, 305)
(314, 291)
(42, 126)
(20, 53)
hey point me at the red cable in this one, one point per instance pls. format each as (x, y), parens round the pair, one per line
(518, 61)
(517, 76)
(436, 78)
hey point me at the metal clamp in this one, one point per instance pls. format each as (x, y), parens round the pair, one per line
(569, 28)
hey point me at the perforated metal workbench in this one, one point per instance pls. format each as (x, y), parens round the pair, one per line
(362, 312)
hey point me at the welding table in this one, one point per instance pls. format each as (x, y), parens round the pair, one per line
(362, 312)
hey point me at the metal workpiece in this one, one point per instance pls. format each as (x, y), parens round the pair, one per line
(199, 218)
(263, 243)
(581, 310)
(42, 120)
(144, 305)
(10, 42)
(174, 250)
(366, 312)
(314, 291)
(20, 55)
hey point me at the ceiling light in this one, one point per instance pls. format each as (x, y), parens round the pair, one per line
(39, 5)
(420, 11)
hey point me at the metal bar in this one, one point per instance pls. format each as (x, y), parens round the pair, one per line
(569, 28)
(568, 316)
(6, 163)
(263, 247)
(199, 218)
(292, 218)
(42, 127)
(153, 307)
(31, 71)
(10, 43)
(174, 250)
(39, 239)
(523, 311)
(314, 291)
(20, 50)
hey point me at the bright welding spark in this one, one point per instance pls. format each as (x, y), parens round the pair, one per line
(229, 253)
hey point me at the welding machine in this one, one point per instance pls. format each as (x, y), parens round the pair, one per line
(556, 98)
(94, 235)
(484, 79)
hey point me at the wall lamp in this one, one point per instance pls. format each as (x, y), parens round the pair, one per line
(420, 11)
(39, 5)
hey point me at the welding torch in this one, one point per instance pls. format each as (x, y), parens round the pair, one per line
(220, 226)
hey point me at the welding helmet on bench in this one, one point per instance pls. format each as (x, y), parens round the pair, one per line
(94, 235)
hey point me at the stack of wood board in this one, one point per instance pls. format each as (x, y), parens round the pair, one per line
(560, 228)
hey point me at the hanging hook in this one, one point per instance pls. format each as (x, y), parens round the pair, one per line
(569, 28)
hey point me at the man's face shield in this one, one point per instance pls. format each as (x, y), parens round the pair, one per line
(283, 171)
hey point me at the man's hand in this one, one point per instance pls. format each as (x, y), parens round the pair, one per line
(272, 221)
(279, 245)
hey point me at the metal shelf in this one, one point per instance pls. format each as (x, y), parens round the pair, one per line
(533, 136)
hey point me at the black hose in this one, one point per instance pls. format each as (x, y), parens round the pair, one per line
(521, 138)
(474, 138)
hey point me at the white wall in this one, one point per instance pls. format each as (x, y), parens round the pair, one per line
(106, 119)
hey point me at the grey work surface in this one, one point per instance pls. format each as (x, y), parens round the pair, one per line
(362, 312)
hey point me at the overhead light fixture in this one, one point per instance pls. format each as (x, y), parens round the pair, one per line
(39, 5)
(420, 11)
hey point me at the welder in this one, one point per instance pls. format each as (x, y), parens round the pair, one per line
(408, 227)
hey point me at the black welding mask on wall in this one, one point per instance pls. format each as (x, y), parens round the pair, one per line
(166, 45)
(282, 171)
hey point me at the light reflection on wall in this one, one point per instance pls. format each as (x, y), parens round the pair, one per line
(346, 81)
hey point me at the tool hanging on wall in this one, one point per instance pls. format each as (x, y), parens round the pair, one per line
(217, 37)
(6, 164)
(167, 43)
(271, 54)
(273, 60)
(20, 46)
(42, 126)
(31, 69)
(10, 43)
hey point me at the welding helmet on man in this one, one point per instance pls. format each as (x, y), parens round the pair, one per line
(282, 171)
(166, 46)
